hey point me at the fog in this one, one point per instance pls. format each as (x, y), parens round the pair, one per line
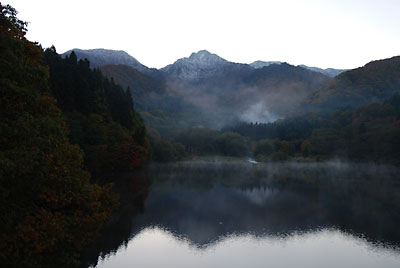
(225, 104)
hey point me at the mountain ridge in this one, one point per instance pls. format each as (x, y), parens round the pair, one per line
(376, 81)
(197, 65)
(331, 72)
(99, 57)
(260, 64)
(234, 91)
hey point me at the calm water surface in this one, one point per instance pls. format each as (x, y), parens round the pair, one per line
(238, 214)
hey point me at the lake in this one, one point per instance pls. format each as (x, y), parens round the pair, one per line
(241, 214)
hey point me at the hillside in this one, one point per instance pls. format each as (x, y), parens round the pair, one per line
(145, 90)
(376, 81)
(163, 111)
(331, 72)
(284, 87)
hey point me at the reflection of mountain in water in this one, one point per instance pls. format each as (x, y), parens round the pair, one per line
(205, 216)
(259, 196)
(204, 202)
(155, 247)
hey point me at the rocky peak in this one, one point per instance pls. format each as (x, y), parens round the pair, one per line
(205, 58)
(197, 65)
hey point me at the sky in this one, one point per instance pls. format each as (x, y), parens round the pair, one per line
(323, 33)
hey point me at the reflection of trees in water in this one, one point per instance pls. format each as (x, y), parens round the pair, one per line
(204, 202)
(133, 190)
(361, 199)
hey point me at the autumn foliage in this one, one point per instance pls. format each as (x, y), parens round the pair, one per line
(49, 209)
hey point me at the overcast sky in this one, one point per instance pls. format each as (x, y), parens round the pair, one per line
(323, 33)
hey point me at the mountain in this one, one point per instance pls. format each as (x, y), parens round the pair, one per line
(376, 81)
(230, 92)
(100, 57)
(205, 89)
(277, 91)
(259, 64)
(329, 71)
(197, 66)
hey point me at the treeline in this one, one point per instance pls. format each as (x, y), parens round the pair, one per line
(58, 119)
(370, 132)
(293, 128)
(199, 141)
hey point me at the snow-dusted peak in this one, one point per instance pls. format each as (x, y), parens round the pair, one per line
(203, 57)
(198, 65)
(99, 57)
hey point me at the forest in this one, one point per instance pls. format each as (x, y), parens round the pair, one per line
(62, 125)
(368, 133)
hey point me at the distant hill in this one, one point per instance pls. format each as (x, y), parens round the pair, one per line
(283, 88)
(376, 81)
(100, 57)
(259, 64)
(285, 72)
(331, 72)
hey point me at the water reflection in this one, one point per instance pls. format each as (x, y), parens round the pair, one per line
(203, 205)
(155, 247)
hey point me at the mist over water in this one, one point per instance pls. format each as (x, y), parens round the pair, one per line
(236, 214)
